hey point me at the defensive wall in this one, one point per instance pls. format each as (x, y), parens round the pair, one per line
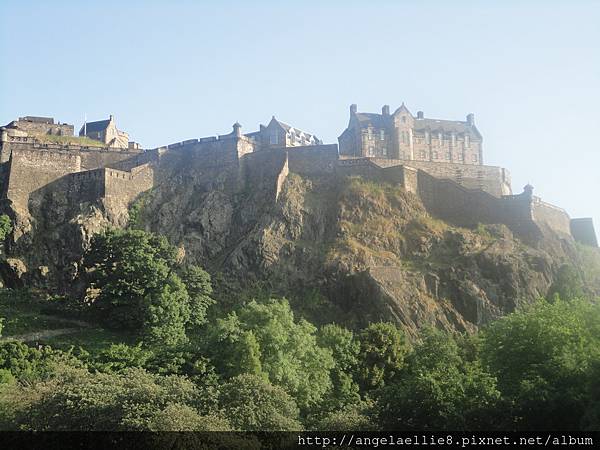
(464, 206)
(492, 179)
(583, 231)
(461, 194)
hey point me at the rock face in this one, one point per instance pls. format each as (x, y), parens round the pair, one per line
(365, 251)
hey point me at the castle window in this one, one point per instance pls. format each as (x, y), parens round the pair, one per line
(403, 119)
(423, 154)
(384, 151)
(273, 139)
(448, 155)
(467, 141)
(381, 135)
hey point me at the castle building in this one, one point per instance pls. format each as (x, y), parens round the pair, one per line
(33, 125)
(106, 132)
(403, 136)
(279, 135)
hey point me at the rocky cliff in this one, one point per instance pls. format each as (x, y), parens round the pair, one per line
(342, 249)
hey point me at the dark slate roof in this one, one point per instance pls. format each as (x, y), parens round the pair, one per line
(442, 125)
(285, 126)
(375, 120)
(95, 127)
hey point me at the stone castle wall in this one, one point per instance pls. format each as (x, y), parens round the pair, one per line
(35, 127)
(32, 169)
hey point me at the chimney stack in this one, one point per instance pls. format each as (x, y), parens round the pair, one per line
(385, 110)
(237, 129)
(471, 119)
(420, 115)
(353, 108)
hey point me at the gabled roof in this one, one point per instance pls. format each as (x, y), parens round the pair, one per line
(372, 119)
(95, 127)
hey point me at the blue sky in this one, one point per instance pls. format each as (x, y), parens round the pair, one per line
(169, 71)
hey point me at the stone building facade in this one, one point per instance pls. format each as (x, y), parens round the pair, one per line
(106, 132)
(280, 135)
(33, 125)
(406, 137)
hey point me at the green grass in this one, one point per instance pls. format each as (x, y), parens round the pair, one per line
(93, 340)
(65, 140)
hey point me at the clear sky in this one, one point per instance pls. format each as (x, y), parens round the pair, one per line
(175, 70)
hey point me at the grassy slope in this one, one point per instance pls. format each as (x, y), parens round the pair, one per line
(24, 313)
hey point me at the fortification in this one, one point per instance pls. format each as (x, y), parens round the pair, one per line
(458, 189)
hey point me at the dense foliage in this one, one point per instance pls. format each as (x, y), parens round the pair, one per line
(181, 365)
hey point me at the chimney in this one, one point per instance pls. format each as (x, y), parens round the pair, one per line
(237, 129)
(353, 108)
(111, 118)
(385, 110)
(420, 115)
(471, 119)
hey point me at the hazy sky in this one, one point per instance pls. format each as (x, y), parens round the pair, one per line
(169, 71)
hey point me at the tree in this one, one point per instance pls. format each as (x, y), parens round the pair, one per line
(282, 349)
(543, 358)
(438, 390)
(75, 399)
(345, 350)
(251, 403)
(197, 283)
(119, 357)
(382, 350)
(568, 284)
(133, 275)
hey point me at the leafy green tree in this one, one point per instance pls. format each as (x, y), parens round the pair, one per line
(251, 403)
(345, 350)
(178, 417)
(383, 348)
(351, 418)
(127, 266)
(438, 390)
(568, 284)
(543, 358)
(167, 313)
(28, 364)
(135, 286)
(75, 399)
(278, 346)
(119, 357)
(199, 288)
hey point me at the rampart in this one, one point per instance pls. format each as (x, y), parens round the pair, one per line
(583, 231)
(30, 170)
(492, 179)
(313, 159)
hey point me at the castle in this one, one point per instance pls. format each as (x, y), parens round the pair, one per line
(440, 161)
